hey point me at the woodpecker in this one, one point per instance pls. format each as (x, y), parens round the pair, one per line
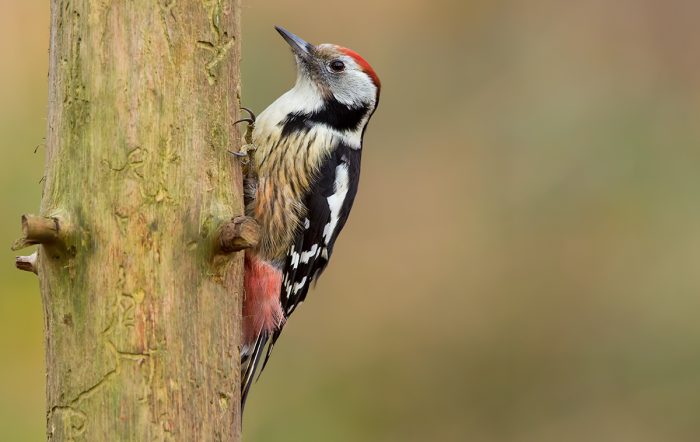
(305, 169)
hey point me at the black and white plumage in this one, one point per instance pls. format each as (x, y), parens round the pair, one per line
(307, 168)
(328, 207)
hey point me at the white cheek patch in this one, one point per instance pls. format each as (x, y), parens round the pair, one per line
(355, 87)
(335, 201)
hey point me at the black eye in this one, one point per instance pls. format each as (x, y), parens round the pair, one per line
(337, 66)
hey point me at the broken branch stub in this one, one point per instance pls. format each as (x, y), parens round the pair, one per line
(242, 232)
(40, 229)
(27, 263)
(37, 230)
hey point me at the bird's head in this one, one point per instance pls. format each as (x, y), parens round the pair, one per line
(335, 71)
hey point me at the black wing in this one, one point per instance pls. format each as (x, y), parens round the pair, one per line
(328, 207)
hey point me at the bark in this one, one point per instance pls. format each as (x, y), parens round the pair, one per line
(142, 306)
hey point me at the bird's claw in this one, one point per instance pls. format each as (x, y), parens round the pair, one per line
(250, 121)
(250, 113)
(238, 154)
(245, 150)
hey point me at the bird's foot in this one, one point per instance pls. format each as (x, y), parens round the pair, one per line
(249, 146)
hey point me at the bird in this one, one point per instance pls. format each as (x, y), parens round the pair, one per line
(302, 179)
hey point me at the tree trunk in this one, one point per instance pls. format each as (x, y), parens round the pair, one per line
(142, 306)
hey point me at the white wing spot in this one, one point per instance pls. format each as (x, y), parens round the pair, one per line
(307, 223)
(327, 232)
(295, 259)
(335, 201)
(298, 285)
(306, 256)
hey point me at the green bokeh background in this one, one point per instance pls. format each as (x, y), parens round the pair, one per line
(522, 260)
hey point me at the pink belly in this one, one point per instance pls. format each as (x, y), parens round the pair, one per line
(262, 311)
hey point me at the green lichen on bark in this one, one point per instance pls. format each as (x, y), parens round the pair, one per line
(142, 320)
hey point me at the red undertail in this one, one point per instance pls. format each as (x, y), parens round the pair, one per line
(262, 311)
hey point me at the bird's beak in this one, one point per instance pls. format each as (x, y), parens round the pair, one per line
(300, 47)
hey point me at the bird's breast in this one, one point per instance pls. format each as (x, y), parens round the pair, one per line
(286, 165)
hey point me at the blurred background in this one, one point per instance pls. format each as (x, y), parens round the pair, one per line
(522, 260)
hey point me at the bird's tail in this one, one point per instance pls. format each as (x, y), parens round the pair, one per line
(263, 317)
(249, 365)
